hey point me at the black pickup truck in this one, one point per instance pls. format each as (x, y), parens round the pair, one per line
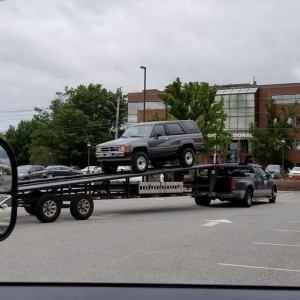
(233, 182)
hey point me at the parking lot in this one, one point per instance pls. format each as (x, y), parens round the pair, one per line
(161, 240)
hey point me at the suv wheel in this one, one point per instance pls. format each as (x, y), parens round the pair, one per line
(109, 168)
(139, 162)
(187, 157)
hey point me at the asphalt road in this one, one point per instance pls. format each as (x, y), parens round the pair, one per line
(160, 240)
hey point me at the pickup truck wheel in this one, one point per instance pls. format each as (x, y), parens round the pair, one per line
(202, 200)
(82, 206)
(273, 196)
(109, 168)
(187, 157)
(48, 208)
(139, 162)
(247, 201)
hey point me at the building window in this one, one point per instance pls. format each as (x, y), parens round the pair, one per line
(297, 145)
(286, 99)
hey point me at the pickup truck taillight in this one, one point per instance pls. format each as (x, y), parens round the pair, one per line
(232, 185)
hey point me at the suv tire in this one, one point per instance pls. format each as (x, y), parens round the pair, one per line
(139, 162)
(187, 157)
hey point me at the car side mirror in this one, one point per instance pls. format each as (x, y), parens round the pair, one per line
(8, 190)
(157, 135)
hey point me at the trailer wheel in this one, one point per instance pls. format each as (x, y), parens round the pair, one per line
(202, 200)
(30, 209)
(82, 206)
(48, 208)
(247, 201)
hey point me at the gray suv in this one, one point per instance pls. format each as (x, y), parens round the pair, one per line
(152, 142)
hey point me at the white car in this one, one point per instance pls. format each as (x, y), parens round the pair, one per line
(5, 208)
(92, 169)
(295, 172)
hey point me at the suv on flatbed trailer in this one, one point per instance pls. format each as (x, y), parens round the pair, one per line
(154, 142)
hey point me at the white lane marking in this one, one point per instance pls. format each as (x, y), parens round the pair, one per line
(271, 244)
(287, 230)
(283, 195)
(257, 267)
(104, 216)
(216, 222)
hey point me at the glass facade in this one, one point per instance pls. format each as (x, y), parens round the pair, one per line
(239, 106)
(134, 107)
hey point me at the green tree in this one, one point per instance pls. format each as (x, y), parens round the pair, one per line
(267, 142)
(196, 101)
(20, 138)
(76, 117)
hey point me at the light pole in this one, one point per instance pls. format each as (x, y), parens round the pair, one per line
(142, 67)
(89, 146)
(283, 143)
(117, 116)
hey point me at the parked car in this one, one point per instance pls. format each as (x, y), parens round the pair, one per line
(295, 172)
(92, 170)
(5, 208)
(274, 170)
(60, 170)
(30, 172)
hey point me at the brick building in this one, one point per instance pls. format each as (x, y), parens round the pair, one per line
(243, 104)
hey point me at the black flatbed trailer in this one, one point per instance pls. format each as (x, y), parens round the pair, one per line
(44, 198)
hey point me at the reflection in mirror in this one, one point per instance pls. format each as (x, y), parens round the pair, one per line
(5, 188)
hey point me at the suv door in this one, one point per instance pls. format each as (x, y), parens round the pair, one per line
(159, 142)
(175, 134)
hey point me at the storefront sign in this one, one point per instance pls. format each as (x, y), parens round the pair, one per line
(241, 135)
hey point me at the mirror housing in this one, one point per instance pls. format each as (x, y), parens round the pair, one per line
(8, 191)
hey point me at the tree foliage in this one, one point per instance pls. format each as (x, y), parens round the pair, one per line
(267, 142)
(196, 101)
(20, 139)
(75, 117)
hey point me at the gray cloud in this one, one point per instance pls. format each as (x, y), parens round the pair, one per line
(46, 45)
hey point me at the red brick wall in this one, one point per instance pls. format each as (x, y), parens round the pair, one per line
(265, 93)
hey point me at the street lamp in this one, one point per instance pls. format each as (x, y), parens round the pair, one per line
(142, 67)
(117, 115)
(283, 143)
(89, 146)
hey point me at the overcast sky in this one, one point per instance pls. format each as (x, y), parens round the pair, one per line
(46, 45)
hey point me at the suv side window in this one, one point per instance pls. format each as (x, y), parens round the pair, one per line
(159, 130)
(174, 129)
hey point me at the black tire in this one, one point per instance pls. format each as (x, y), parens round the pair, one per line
(30, 209)
(48, 208)
(273, 195)
(140, 162)
(82, 206)
(247, 201)
(187, 157)
(202, 200)
(157, 164)
(109, 167)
